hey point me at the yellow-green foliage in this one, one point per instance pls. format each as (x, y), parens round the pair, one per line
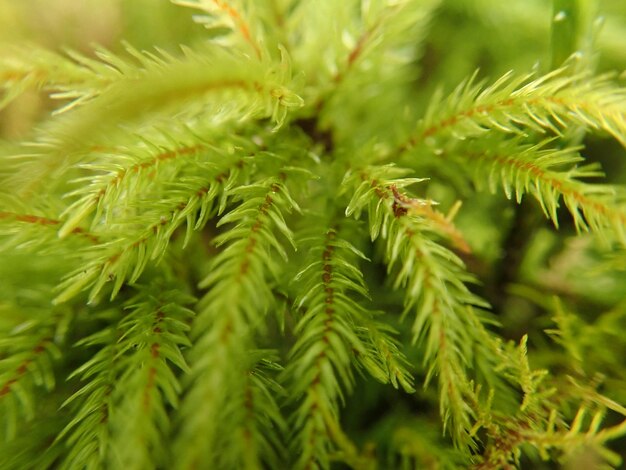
(312, 234)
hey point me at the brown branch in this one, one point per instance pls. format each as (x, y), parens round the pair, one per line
(329, 312)
(256, 227)
(46, 222)
(425, 209)
(242, 26)
(154, 356)
(22, 369)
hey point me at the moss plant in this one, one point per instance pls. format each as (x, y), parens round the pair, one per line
(321, 234)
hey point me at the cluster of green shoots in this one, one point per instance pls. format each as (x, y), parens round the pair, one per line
(318, 236)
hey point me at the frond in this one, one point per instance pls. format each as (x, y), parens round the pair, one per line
(153, 337)
(404, 23)
(120, 411)
(516, 105)
(238, 297)
(33, 343)
(334, 334)
(434, 280)
(260, 429)
(214, 85)
(529, 426)
(29, 348)
(384, 359)
(143, 237)
(121, 180)
(320, 368)
(29, 232)
(235, 17)
(549, 175)
(87, 435)
(349, 40)
(368, 60)
(198, 83)
(579, 338)
(35, 68)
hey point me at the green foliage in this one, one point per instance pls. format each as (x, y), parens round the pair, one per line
(283, 244)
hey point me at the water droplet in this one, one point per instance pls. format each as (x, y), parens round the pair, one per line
(438, 151)
(560, 16)
(577, 55)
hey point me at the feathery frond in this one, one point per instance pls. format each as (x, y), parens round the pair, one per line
(149, 88)
(238, 297)
(549, 175)
(145, 236)
(334, 333)
(130, 377)
(522, 104)
(28, 350)
(434, 282)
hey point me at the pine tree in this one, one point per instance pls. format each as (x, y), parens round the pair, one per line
(318, 235)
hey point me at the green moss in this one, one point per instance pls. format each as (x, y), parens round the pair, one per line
(313, 237)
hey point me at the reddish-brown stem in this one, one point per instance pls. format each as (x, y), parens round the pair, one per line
(564, 188)
(46, 222)
(20, 371)
(242, 26)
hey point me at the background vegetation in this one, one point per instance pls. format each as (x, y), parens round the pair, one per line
(312, 234)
